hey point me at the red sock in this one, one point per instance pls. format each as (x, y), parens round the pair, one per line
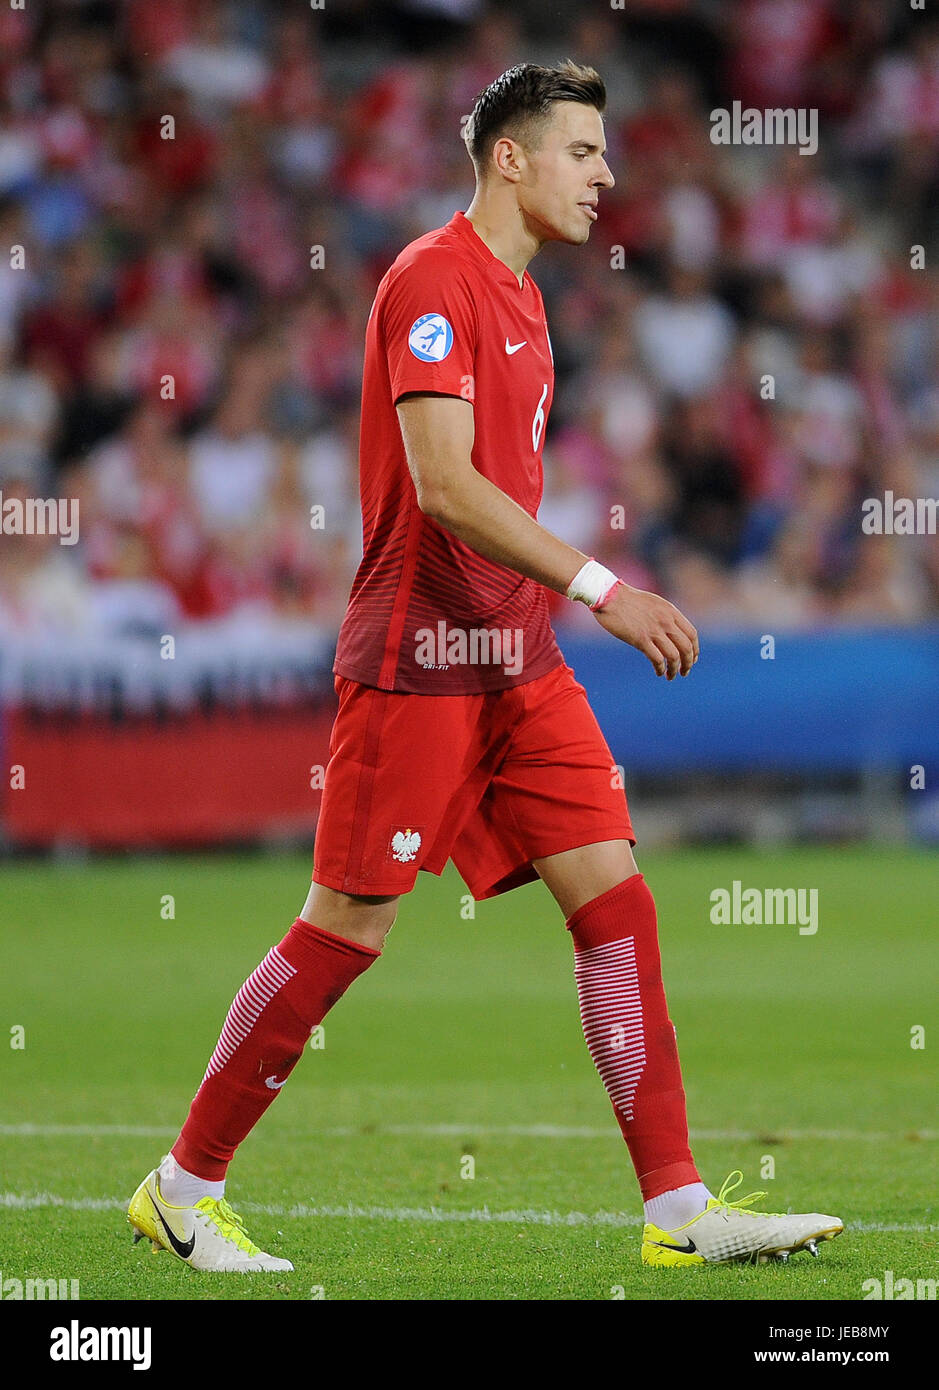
(266, 1030)
(629, 1033)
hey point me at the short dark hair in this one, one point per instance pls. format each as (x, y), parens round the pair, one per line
(519, 102)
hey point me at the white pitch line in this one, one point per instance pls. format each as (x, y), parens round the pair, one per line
(761, 1136)
(29, 1131)
(16, 1201)
(767, 1136)
(350, 1212)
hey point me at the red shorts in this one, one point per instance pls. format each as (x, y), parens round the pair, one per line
(492, 781)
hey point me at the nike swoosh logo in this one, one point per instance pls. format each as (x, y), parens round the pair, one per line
(273, 1083)
(687, 1249)
(183, 1248)
(513, 347)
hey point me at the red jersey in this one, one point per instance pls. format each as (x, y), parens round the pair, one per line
(427, 614)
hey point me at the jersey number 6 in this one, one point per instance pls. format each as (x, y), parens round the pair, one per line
(537, 425)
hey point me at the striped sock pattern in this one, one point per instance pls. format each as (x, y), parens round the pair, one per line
(249, 1003)
(263, 1039)
(611, 1012)
(629, 1033)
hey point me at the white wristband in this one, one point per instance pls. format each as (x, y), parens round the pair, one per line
(592, 584)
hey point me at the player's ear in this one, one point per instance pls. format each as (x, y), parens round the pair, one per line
(507, 154)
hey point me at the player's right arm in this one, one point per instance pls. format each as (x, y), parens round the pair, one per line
(438, 433)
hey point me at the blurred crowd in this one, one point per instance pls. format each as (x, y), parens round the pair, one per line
(745, 350)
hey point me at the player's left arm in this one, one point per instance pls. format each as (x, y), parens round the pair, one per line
(438, 433)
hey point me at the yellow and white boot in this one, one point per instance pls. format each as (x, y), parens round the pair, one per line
(726, 1232)
(208, 1236)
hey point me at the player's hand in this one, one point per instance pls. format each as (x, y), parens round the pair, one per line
(653, 626)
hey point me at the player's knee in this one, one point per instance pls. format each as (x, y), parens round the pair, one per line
(366, 919)
(373, 918)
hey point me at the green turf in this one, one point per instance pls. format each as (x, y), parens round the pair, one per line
(471, 1025)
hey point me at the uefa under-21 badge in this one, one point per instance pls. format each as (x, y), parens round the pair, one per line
(430, 338)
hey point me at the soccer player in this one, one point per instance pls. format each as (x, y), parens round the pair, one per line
(461, 733)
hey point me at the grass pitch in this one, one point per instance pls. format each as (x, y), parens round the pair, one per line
(452, 1140)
